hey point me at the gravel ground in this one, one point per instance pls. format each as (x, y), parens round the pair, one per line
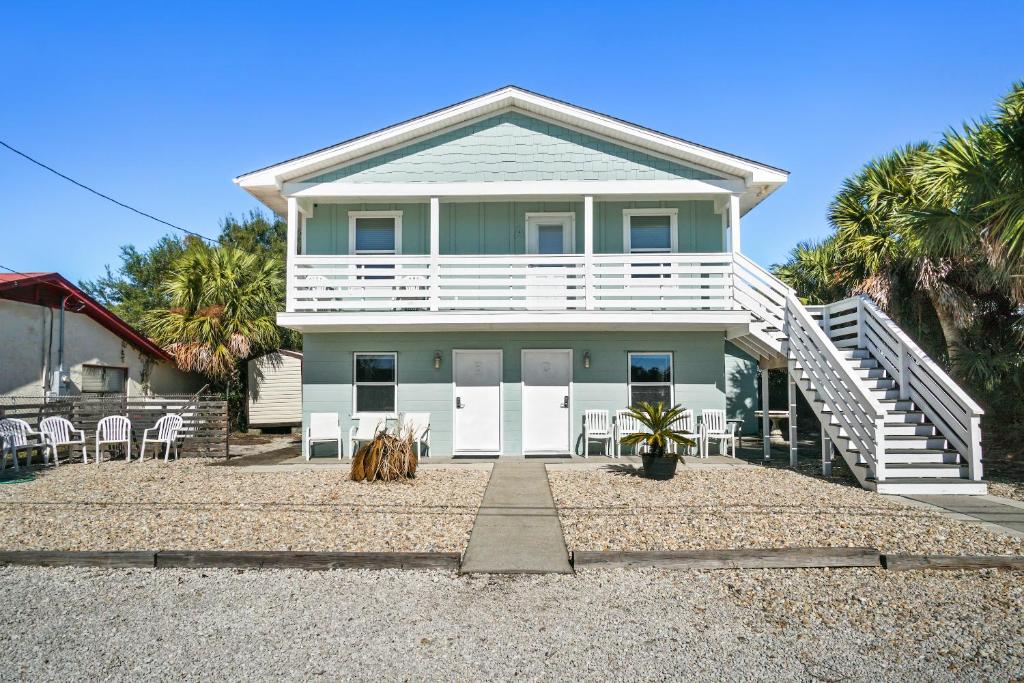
(613, 509)
(1006, 489)
(839, 625)
(196, 504)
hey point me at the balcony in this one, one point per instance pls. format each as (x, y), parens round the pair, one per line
(721, 291)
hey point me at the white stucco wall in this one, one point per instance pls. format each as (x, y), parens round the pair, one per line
(29, 343)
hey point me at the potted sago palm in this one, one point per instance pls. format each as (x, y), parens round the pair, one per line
(658, 430)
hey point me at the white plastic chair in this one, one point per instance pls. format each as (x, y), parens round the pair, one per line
(625, 424)
(16, 435)
(366, 427)
(419, 425)
(683, 423)
(166, 428)
(58, 431)
(597, 426)
(713, 426)
(323, 428)
(113, 430)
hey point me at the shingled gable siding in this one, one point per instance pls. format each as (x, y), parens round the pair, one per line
(499, 227)
(508, 147)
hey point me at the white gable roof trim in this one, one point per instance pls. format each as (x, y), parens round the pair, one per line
(267, 183)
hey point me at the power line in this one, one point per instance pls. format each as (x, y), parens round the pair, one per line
(107, 197)
(16, 272)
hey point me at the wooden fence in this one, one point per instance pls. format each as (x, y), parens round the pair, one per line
(204, 431)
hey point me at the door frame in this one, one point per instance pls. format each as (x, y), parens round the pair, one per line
(522, 404)
(566, 218)
(501, 402)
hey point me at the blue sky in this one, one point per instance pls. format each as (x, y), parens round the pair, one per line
(161, 105)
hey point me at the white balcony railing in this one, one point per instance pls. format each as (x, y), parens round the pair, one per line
(678, 282)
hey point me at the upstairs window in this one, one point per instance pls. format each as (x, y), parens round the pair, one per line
(375, 232)
(376, 382)
(650, 378)
(650, 231)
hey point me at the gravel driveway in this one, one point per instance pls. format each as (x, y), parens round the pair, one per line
(848, 625)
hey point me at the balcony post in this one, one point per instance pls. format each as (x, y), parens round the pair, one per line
(292, 243)
(794, 454)
(734, 222)
(766, 428)
(588, 251)
(435, 250)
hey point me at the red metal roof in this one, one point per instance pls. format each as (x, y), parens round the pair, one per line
(49, 289)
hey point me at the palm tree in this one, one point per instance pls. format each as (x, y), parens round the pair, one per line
(817, 271)
(973, 186)
(222, 308)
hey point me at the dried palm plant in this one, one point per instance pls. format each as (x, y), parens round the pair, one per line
(387, 457)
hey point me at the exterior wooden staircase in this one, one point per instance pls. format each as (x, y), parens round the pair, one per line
(900, 423)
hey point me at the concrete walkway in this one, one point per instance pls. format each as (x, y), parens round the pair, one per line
(1000, 512)
(517, 529)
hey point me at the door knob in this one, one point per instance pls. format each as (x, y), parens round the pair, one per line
(458, 401)
(565, 402)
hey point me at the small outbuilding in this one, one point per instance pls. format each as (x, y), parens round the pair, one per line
(56, 340)
(275, 390)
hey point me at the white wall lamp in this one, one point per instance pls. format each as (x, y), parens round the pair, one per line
(586, 359)
(437, 360)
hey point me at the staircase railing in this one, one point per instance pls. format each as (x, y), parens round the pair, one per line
(920, 379)
(763, 294)
(857, 412)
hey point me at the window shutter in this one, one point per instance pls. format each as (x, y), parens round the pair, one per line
(375, 234)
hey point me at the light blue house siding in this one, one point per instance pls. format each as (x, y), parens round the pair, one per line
(708, 373)
(500, 227)
(510, 147)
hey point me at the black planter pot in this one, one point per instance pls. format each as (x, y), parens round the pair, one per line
(659, 468)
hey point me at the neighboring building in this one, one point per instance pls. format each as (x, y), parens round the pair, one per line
(510, 261)
(275, 390)
(56, 339)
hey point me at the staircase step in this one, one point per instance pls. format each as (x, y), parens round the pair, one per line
(925, 470)
(854, 353)
(871, 373)
(896, 405)
(898, 486)
(895, 429)
(885, 393)
(879, 383)
(905, 417)
(916, 442)
(944, 457)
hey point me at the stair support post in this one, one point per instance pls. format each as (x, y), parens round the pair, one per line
(826, 452)
(974, 455)
(765, 422)
(794, 455)
(904, 372)
(880, 448)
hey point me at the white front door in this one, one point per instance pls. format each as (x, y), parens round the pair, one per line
(477, 377)
(546, 418)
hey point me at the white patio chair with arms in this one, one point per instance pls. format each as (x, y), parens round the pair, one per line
(683, 423)
(597, 426)
(713, 427)
(112, 430)
(15, 436)
(366, 427)
(323, 428)
(625, 424)
(166, 428)
(419, 425)
(58, 432)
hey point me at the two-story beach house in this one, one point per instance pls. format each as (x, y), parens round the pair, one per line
(510, 261)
